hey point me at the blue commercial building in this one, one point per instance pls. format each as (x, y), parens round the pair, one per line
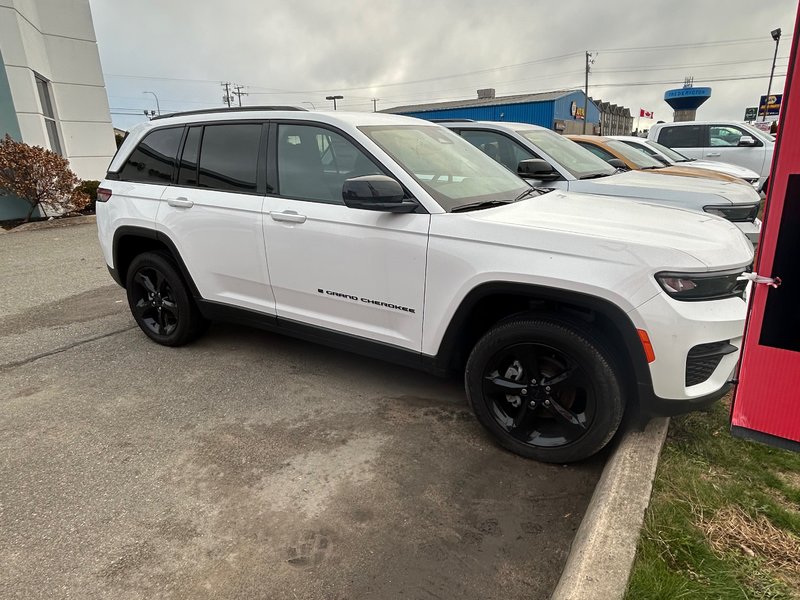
(561, 111)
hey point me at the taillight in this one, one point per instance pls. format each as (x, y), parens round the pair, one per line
(103, 194)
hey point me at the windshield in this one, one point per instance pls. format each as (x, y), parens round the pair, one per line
(668, 152)
(570, 156)
(634, 155)
(453, 171)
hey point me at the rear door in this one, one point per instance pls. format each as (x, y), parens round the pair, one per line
(351, 271)
(690, 140)
(723, 145)
(213, 213)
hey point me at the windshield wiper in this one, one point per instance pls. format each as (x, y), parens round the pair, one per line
(596, 175)
(479, 205)
(529, 192)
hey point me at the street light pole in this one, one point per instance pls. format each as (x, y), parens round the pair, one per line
(158, 108)
(334, 98)
(776, 35)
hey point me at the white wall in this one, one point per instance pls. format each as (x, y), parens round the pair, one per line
(55, 38)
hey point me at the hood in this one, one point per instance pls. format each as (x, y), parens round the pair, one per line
(685, 170)
(722, 167)
(684, 192)
(713, 241)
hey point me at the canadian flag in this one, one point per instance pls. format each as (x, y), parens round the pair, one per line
(647, 114)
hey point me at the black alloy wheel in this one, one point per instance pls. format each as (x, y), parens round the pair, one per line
(160, 302)
(545, 389)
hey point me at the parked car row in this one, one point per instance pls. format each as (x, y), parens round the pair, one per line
(597, 165)
(563, 304)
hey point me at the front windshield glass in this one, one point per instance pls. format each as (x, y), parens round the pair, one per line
(668, 152)
(635, 156)
(578, 161)
(452, 171)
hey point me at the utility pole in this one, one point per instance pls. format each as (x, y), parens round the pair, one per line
(239, 93)
(586, 93)
(776, 35)
(375, 104)
(227, 98)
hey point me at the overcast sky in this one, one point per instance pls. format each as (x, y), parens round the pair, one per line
(409, 51)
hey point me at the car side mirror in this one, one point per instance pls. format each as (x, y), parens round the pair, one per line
(747, 140)
(617, 164)
(536, 168)
(376, 192)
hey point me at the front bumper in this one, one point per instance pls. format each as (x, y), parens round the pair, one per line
(674, 329)
(751, 230)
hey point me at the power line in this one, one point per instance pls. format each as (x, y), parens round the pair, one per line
(705, 79)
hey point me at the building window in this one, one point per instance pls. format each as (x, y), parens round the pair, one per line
(49, 116)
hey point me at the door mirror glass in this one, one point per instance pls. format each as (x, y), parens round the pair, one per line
(747, 140)
(376, 192)
(536, 168)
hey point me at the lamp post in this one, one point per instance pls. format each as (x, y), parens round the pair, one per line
(334, 98)
(776, 35)
(158, 108)
(311, 103)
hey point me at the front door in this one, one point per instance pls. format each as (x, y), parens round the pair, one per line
(357, 272)
(723, 145)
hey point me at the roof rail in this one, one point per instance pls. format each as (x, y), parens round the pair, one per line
(224, 109)
(451, 120)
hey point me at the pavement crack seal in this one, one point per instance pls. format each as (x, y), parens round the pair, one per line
(18, 363)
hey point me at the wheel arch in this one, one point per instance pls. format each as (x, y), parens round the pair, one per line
(492, 302)
(130, 241)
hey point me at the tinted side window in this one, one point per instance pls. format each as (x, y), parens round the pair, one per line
(497, 146)
(314, 162)
(229, 157)
(153, 160)
(687, 136)
(187, 173)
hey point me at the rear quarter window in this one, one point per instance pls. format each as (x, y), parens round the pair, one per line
(153, 160)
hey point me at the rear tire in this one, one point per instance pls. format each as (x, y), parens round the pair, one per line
(545, 389)
(160, 301)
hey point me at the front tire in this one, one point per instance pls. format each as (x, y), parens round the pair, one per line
(160, 301)
(545, 389)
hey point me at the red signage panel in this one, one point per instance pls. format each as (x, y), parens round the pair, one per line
(767, 399)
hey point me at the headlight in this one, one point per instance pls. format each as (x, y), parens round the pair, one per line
(735, 212)
(702, 286)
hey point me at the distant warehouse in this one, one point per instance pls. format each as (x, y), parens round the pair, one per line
(561, 111)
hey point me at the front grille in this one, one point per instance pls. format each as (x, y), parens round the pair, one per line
(703, 359)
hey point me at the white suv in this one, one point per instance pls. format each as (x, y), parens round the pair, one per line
(727, 141)
(395, 238)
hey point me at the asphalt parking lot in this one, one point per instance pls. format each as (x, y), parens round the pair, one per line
(246, 465)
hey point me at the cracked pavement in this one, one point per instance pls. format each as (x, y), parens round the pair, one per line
(246, 465)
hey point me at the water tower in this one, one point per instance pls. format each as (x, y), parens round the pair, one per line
(686, 100)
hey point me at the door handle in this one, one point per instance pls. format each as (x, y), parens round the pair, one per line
(288, 216)
(713, 154)
(180, 202)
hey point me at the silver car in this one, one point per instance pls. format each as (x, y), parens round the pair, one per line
(547, 159)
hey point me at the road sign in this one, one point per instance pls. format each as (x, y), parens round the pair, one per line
(750, 113)
(774, 106)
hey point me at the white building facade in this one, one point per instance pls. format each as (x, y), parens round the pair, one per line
(52, 92)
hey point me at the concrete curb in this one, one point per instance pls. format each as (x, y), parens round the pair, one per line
(600, 560)
(54, 224)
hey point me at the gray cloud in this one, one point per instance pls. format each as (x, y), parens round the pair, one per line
(300, 51)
